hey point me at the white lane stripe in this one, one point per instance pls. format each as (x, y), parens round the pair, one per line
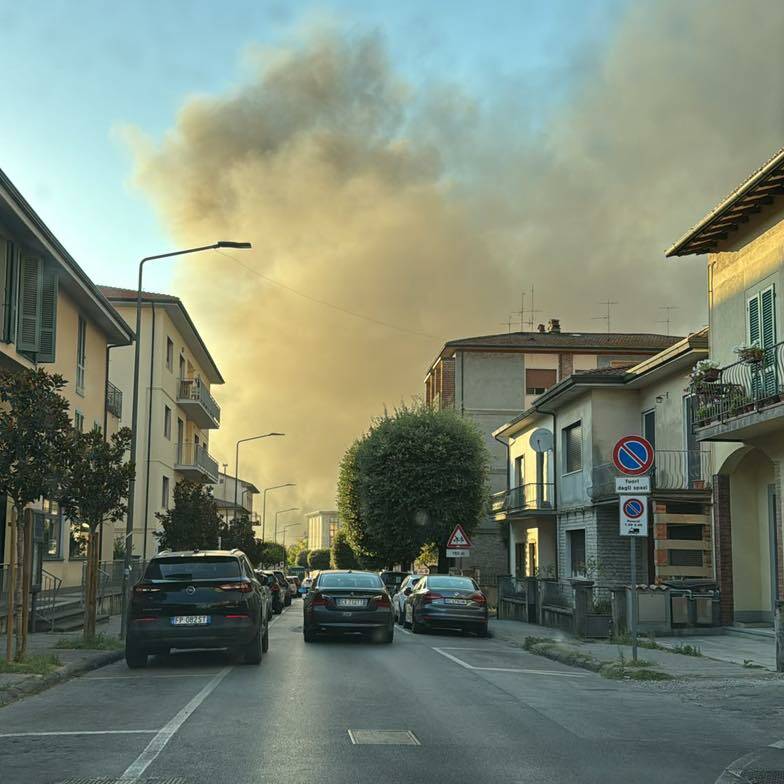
(158, 743)
(146, 677)
(75, 732)
(779, 744)
(468, 666)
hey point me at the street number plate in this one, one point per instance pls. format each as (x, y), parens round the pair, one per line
(190, 620)
(352, 602)
(461, 602)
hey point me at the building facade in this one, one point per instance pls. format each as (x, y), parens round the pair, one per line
(53, 316)
(321, 527)
(235, 494)
(176, 409)
(492, 378)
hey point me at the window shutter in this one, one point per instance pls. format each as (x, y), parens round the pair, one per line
(767, 318)
(5, 288)
(573, 447)
(752, 319)
(49, 290)
(28, 337)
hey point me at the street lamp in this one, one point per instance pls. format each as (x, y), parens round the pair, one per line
(135, 411)
(264, 505)
(280, 512)
(237, 462)
(285, 554)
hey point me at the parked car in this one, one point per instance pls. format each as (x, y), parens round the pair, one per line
(304, 586)
(278, 593)
(399, 599)
(446, 601)
(208, 599)
(293, 586)
(392, 580)
(265, 580)
(342, 601)
(285, 587)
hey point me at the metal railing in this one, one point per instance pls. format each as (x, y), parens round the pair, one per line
(192, 390)
(192, 455)
(530, 497)
(741, 387)
(46, 601)
(556, 594)
(114, 398)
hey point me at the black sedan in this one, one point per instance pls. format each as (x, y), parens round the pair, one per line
(277, 593)
(448, 602)
(348, 602)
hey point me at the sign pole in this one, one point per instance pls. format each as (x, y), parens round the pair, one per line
(633, 560)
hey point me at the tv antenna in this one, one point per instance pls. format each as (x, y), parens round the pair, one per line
(666, 320)
(606, 317)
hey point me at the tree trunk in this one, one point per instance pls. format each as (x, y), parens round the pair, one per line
(20, 554)
(27, 570)
(443, 561)
(9, 623)
(91, 599)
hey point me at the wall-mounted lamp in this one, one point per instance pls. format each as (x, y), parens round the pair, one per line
(662, 398)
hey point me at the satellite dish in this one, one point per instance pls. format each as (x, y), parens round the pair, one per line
(541, 440)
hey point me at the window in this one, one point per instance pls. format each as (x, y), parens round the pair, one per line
(81, 348)
(77, 541)
(169, 354)
(52, 527)
(577, 552)
(165, 492)
(573, 447)
(182, 367)
(9, 283)
(205, 567)
(519, 471)
(649, 426)
(167, 422)
(79, 420)
(539, 380)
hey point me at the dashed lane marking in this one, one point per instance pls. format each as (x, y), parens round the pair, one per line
(468, 666)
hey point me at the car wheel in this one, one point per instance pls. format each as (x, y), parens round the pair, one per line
(252, 651)
(278, 610)
(308, 635)
(135, 658)
(389, 635)
(416, 627)
(265, 641)
(406, 624)
(483, 631)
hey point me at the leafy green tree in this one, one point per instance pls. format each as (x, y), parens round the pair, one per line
(295, 549)
(319, 559)
(272, 553)
(302, 558)
(238, 533)
(193, 522)
(95, 492)
(35, 445)
(416, 474)
(343, 557)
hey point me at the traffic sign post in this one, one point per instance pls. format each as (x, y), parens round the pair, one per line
(458, 545)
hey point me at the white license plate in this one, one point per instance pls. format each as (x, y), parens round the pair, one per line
(190, 620)
(461, 602)
(352, 602)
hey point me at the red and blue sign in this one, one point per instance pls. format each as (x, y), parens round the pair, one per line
(633, 455)
(633, 508)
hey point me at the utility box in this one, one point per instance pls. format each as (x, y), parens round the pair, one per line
(680, 609)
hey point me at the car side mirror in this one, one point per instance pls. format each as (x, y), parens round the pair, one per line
(407, 591)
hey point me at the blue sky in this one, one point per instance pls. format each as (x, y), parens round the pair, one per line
(78, 71)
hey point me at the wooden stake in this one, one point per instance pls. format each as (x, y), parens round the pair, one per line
(9, 624)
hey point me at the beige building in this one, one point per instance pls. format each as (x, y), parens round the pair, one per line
(224, 493)
(53, 316)
(739, 408)
(322, 527)
(176, 410)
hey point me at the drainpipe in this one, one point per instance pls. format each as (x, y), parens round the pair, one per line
(555, 483)
(149, 436)
(508, 488)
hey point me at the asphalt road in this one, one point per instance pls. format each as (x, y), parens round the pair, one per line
(467, 709)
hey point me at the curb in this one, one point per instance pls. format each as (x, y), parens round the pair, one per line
(35, 685)
(735, 772)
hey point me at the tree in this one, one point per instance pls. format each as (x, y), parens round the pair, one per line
(238, 533)
(295, 549)
(302, 558)
(272, 553)
(193, 522)
(319, 559)
(35, 443)
(416, 474)
(95, 491)
(343, 557)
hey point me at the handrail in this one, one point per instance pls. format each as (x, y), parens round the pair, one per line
(114, 398)
(197, 456)
(49, 594)
(534, 495)
(192, 389)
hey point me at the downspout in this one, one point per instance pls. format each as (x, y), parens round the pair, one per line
(508, 488)
(149, 437)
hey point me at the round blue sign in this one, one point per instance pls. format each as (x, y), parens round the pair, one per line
(633, 508)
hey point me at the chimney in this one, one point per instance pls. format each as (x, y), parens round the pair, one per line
(554, 325)
(540, 328)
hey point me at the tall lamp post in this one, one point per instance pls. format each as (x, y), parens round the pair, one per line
(264, 505)
(237, 462)
(280, 512)
(285, 554)
(135, 410)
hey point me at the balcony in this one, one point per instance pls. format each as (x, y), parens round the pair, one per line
(745, 401)
(200, 406)
(114, 400)
(673, 470)
(194, 462)
(523, 500)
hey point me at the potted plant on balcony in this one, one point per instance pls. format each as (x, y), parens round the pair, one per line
(751, 355)
(705, 372)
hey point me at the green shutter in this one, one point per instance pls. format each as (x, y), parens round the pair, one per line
(48, 337)
(752, 319)
(28, 336)
(767, 318)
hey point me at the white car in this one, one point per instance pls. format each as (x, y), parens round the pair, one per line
(399, 599)
(305, 586)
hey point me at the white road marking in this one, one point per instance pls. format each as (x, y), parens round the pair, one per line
(147, 677)
(779, 744)
(76, 732)
(405, 631)
(468, 666)
(135, 770)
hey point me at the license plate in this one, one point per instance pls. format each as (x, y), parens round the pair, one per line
(461, 602)
(352, 602)
(190, 620)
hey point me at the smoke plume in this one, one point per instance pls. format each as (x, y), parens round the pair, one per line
(420, 212)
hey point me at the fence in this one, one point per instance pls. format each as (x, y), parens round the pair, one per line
(532, 496)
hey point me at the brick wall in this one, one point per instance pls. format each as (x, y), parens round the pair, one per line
(565, 365)
(722, 528)
(489, 553)
(614, 551)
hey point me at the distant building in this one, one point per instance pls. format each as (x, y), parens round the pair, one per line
(223, 492)
(322, 527)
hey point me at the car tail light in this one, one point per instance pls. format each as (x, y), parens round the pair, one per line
(319, 600)
(274, 587)
(382, 600)
(242, 587)
(237, 617)
(144, 620)
(478, 598)
(430, 596)
(141, 588)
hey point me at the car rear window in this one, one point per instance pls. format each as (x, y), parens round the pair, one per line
(201, 568)
(350, 581)
(458, 583)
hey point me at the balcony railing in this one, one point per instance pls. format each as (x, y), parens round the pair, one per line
(194, 458)
(114, 400)
(673, 469)
(741, 388)
(525, 498)
(191, 390)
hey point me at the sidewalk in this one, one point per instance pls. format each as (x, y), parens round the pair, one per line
(71, 662)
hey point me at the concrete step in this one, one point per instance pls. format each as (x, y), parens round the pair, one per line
(75, 624)
(751, 630)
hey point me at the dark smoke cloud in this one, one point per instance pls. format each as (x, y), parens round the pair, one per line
(430, 209)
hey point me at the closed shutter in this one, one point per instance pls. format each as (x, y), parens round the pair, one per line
(752, 314)
(28, 337)
(5, 288)
(573, 447)
(767, 318)
(48, 335)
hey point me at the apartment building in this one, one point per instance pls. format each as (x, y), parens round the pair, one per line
(492, 378)
(321, 527)
(233, 494)
(560, 511)
(739, 404)
(176, 409)
(53, 316)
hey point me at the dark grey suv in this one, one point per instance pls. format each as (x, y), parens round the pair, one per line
(199, 599)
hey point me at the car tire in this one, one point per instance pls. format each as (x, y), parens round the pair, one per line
(483, 631)
(416, 627)
(251, 653)
(265, 641)
(135, 658)
(406, 624)
(389, 635)
(308, 635)
(278, 610)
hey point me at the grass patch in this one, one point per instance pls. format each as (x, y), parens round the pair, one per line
(632, 671)
(530, 642)
(687, 650)
(642, 642)
(40, 664)
(100, 642)
(750, 665)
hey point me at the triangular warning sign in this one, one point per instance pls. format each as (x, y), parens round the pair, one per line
(458, 538)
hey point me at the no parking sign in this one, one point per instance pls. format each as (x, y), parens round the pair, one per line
(634, 515)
